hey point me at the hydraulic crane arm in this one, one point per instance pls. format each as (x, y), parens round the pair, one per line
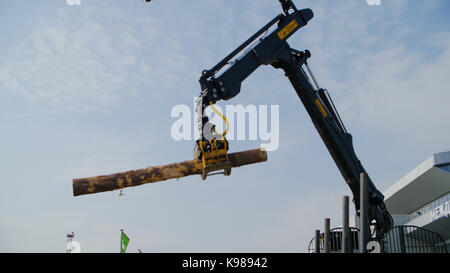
(273, 49)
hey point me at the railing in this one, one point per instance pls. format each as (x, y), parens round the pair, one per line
(412, 239)
(336, 241)
(401, 239)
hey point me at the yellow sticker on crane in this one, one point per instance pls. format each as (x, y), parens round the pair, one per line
(321, 109)
(288, 29)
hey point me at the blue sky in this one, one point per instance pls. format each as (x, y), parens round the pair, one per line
(87, 90)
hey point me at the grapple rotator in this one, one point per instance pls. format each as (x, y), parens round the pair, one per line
(212, 147)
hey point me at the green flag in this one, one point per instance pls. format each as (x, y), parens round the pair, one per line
(124, 243)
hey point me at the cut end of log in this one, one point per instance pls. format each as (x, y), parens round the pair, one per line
(96, 184)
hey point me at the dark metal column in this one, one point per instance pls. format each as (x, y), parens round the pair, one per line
(364, 225)
(317, 242)
(326, 236)
(345, 226)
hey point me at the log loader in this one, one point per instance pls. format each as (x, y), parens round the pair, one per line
(223, 82)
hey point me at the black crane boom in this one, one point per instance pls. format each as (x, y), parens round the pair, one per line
(273, 49)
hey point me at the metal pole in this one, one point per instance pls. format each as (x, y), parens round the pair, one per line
(326, 235)
(312, 76)
(364, 225)
(120, 249)
(317, 242)
(345, 226)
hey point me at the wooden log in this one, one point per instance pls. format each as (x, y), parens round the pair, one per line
(90, 185)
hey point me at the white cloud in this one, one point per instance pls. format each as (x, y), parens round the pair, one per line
(384, 75)
(403, 93)
(88, 60)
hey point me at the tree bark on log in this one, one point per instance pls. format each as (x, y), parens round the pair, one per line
(96, 184)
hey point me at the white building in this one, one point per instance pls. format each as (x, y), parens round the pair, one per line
(422, 197)
(420, 207)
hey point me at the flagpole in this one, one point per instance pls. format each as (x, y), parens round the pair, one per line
(121, 238)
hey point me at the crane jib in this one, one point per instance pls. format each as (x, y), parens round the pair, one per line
(273, 49)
